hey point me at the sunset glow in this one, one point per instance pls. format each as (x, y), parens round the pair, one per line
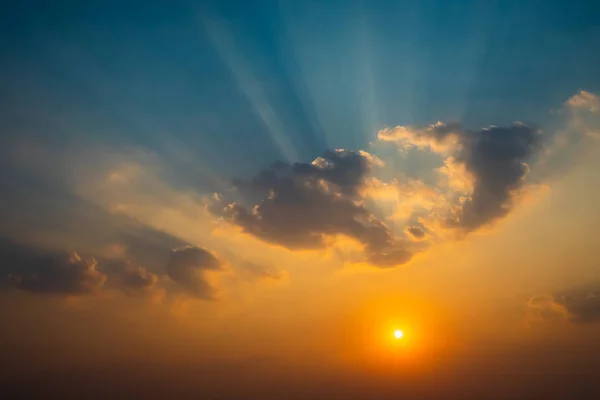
(233, 199)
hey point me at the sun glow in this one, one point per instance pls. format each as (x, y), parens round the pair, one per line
(398, 334)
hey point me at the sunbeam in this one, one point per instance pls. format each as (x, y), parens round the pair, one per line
(248, 83)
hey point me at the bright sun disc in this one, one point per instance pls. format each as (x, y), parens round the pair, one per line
(398, 334)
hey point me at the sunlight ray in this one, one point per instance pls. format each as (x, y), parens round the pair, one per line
(251, 87)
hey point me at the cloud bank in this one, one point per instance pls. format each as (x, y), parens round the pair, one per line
(31, 269)
(388, 214)
(36, 271)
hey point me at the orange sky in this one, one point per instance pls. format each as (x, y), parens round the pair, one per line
(473, 309)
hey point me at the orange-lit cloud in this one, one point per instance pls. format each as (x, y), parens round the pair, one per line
(584, 100)
(440, 137)
(486, 167)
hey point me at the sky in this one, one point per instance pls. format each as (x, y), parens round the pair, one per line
(247, 199)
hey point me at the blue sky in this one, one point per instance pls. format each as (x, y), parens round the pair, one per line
(227, 79)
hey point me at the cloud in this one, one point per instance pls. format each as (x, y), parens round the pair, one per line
(131, 278)
(188, 266)
(468, 179)
(584, 100)
(298, 206)
(439, 137)
(544, 308)
(415, 231)
(579, 305)
(584, 111)
(42, 272)
(259, 271)
(491, 162)
(571, 145)
(137, 277)
(496, 159)
(583, 304)
(37, 270)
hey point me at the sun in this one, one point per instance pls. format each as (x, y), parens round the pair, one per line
(398, 334)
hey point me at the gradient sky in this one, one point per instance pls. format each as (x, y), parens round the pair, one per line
(245, 199)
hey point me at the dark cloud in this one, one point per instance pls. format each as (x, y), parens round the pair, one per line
(149, 248)
(344, 169)
(416, 232)
(37, 271)
(40, 271)
(582, 304)
(298, 205)
(131, 278)
(496, 158)
(187, 266)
